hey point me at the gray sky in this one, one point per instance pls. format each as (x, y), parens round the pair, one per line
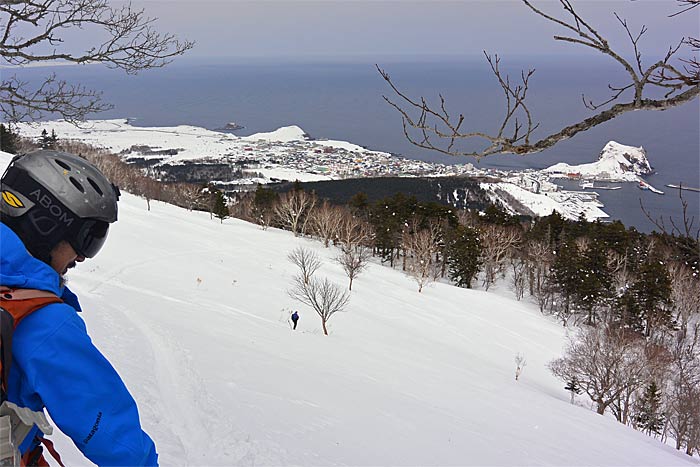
(382, 29)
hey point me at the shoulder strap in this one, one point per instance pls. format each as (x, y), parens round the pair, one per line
(15, 305)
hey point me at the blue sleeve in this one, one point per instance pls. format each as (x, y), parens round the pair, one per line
(82, 392)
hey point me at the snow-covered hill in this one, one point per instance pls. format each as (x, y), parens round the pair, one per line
(616, 162)
(194, 315)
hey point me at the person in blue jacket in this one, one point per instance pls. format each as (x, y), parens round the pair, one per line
(295, 319)
(55, 212)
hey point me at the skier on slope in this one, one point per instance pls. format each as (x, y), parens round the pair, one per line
(55, 212)
(295, 319)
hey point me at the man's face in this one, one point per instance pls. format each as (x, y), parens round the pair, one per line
(64, 257)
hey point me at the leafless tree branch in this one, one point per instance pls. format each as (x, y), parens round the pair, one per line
(35, 32)
(435, 129)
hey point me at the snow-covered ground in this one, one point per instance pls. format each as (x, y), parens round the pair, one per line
(194, 316)
(570, 204)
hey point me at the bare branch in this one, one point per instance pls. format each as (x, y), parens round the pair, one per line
(306, 260)
(32, 32)
(435, 129)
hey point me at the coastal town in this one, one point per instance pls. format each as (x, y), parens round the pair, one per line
(290, 154)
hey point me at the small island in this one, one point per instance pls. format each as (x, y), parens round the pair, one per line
(230, 126)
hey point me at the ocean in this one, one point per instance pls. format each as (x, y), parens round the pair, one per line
(345, 101)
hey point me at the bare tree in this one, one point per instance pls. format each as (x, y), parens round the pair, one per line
(354, 236)
(189, 194)
(306, 260)
(539, 261)
(604, 361)
(497, 242)
(325, 221)
(684, 398)
(432, 127)
(354, 260)
(518, 267)
(619, 269)
(354, 231)
(325, 297)
(38, 31)
(293, 210)
(421, 246)
(685, 293)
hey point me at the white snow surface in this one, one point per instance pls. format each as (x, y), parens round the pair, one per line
(570, 204)
(194, 316)
(616, 162)
(287, 133)
(192, 142)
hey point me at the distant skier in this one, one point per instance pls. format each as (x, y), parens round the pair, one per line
(295, 319)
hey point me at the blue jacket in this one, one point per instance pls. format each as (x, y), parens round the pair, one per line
(55, 365)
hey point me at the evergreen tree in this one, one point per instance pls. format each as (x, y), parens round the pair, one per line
(594, 287)
(359, 202)
(565, 273)
(264, 197)
(549, 228)
(628, 311)
(389, 217)
(47, 141)
(463, 255)
(650, 418)
(651, 292)
(8, 140)
(573, 387)
(220, 208)
(494, 214)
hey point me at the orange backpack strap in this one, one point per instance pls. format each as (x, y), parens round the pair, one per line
(15, 305)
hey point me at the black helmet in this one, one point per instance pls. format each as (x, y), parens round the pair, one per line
(49, 196)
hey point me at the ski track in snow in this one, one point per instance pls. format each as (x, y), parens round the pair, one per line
(189, 412)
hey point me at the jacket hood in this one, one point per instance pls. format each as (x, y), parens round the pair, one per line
(20, 269)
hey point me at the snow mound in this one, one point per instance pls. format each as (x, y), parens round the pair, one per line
(616, 162)
(286, 133)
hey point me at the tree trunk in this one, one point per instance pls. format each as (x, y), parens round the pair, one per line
(601, 407)
(325, 330)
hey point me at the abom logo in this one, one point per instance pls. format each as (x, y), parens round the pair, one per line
(54, 209)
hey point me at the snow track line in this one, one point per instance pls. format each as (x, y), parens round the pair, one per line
(181, 406)
(115, 273)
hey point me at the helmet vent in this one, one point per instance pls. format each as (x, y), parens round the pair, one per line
(62, 164)
(77, 184)
(95, 186)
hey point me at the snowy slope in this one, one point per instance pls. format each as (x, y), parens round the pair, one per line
(616, 162)
(193, 314)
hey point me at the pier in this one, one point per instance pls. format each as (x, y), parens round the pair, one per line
(681, 187)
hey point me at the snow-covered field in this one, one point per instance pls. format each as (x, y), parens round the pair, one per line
(403, 379)
(194, 315)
